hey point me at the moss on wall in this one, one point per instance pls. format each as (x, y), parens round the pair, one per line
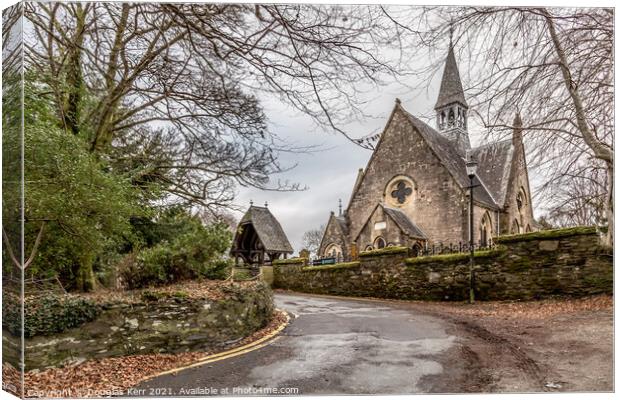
(453, 258)
(157, 323)
(547, 235)
(384, 251)
(518, 270)
(352, 264)
(298, 260)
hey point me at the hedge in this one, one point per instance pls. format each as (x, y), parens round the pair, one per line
(47, 314)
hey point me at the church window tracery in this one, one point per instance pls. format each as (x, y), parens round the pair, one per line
(379, 243)
(416, 249)
(333, 250)
(520, 200)
(485, 230)
(401, 192)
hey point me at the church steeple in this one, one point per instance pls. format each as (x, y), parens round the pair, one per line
(451, 106)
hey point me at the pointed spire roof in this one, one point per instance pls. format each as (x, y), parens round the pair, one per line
(267, 228)
(451, 90)
(517, 130)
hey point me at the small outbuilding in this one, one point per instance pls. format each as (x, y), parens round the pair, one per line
(259, 238)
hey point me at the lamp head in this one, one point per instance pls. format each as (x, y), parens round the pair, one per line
(471, 166)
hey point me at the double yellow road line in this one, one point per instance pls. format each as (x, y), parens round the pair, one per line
(257, 344)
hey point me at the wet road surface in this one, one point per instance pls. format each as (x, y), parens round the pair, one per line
(331, 346)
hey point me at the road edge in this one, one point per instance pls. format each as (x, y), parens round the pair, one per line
(246, 348)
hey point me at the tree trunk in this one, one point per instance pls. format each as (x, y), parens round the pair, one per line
(85, 279)
(105, 116)
(608, 240)
(74, 78)
(600, 149)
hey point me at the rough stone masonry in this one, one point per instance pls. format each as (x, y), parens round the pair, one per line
(565, 262)
(166, 325)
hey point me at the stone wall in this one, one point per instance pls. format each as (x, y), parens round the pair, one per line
(267, 274)
(529, 266)
(165, 325)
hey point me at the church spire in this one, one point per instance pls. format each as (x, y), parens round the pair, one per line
(451, 106)
(517, 130)
(451, 90)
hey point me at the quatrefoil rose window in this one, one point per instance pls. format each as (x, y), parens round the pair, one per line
(399, 191)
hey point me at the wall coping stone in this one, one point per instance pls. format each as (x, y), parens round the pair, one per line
(298, 260)
(170, 324)
(344, 265)
(516, 270)
(451, 258)
(547, 235)
(385, 251)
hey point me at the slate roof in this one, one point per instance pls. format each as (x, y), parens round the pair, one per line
(494, 164)
(268, 228)
(404, 223)
(343, 224)
(450, 156)
(358, 181)
(451, 90)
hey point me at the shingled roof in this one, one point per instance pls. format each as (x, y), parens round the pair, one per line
(451, 90)
(404, 223)
(453, 160)
(268, 228)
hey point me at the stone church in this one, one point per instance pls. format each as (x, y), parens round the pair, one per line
(414, 191)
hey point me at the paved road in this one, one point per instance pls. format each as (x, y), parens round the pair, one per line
(333, 346)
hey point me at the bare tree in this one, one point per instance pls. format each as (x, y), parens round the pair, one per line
(580, 200)
(311, 240)
(554, 66)
(173, 87)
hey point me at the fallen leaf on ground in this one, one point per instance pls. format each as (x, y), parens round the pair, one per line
(113, 376)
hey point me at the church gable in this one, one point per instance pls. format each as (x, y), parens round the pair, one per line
(379, 231)
(388, 227)
(420, 174)
(431, 196)
(334, 239)
(519, 215)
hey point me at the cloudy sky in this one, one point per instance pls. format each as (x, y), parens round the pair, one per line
(329, 173)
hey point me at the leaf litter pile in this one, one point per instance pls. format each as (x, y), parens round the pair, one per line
(517, 309)
(198, 289)
(539, 309)
(11, 381)
(114, 375)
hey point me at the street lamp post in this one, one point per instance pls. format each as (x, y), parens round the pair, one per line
(471, 167)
